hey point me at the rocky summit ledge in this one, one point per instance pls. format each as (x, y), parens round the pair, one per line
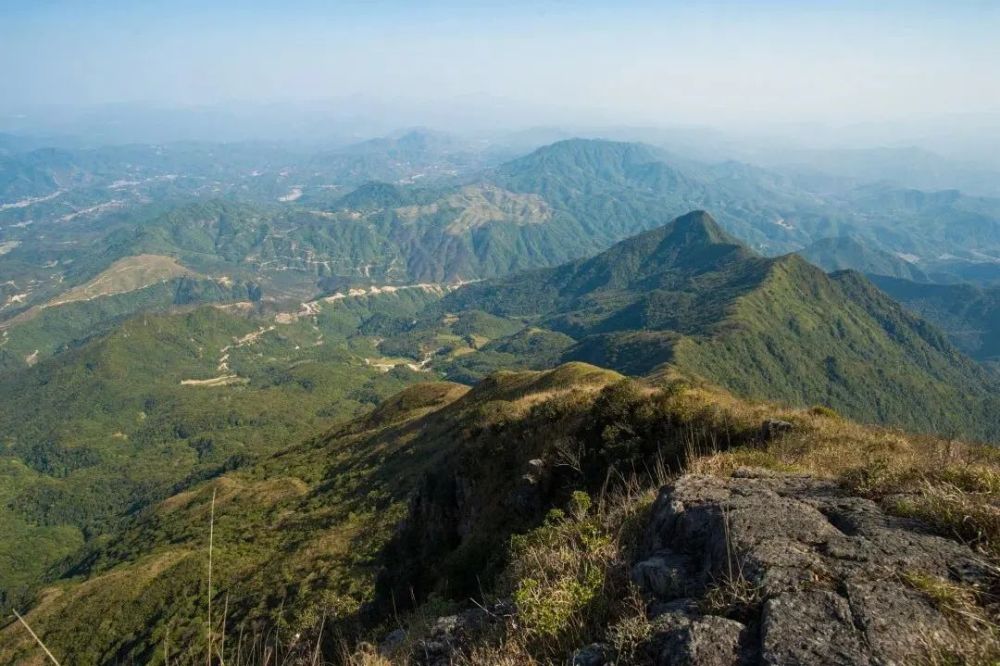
(783, 569)
(769, 568)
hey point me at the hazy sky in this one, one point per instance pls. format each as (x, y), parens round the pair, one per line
(641, 62)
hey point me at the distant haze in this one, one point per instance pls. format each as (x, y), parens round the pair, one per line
(476, 65)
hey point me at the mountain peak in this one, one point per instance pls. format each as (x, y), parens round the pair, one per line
(693, 240)
(599, 157)
(668, 257)
(699, 227)
(623, 151)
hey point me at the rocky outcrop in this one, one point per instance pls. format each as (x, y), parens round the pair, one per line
(774, 428)
(782, 569)
(684, 637)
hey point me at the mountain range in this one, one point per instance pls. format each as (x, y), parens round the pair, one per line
(691, 295)
(381, 397)
(249, 219)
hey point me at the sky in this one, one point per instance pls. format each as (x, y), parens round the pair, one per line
(716, 63)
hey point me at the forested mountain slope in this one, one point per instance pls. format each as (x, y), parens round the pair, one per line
(690, 295)
(970, 315)
(95, 433)
(848, 253)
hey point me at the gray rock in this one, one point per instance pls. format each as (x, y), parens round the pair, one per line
(706, 641)
(810, 627)
(682, 607)
(392, 641)
(452, 634)
(773, 428)
(529, 494)
(879, 607)
(595, 654)
(818, 572)
(449, 635)
(754, 473)
(683, 636)
(665, 574)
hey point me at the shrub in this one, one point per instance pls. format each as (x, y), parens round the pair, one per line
(823, 410)
(558, 570)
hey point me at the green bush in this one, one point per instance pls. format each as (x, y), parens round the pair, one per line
(558, 571)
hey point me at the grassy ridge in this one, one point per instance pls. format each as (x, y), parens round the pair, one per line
(310, 534)
(803, 338)
(297, 535)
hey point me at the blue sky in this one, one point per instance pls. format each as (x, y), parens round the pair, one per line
(641, 62)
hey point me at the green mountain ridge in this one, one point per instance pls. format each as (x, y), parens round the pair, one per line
(690, 295)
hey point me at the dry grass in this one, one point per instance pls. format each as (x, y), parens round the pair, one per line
(124, 275)
(571, 583)
(971, 517)
(366, 654)
(570, 580)
(476, 205)
(976, 636)
(953, 486)
(732, 596)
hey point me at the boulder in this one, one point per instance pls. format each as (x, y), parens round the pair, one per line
(773, 428)
(392, 642)
(689, 639)
(453, 634)
(665, 574)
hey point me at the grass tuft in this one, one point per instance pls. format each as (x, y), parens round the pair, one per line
(975, 636)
